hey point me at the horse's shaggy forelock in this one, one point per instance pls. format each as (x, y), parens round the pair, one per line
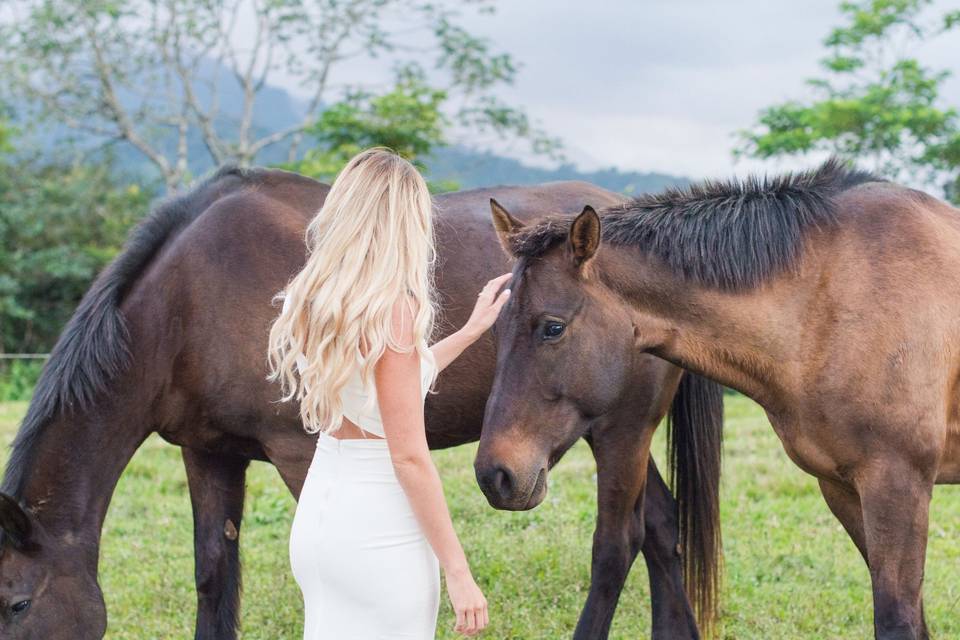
(729, 235)
(93, 348)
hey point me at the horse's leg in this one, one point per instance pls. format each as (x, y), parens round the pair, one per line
(291, 452)
(621, 532)
(672, 615)
(217, 484)
(844, 503)
(895, 499)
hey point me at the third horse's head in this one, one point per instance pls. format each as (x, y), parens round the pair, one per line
(564, 359)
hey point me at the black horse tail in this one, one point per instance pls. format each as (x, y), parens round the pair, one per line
(695, 439)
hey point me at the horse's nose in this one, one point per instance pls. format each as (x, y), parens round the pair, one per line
(497, 483)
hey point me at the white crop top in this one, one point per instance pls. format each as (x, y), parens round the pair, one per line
(354, 398)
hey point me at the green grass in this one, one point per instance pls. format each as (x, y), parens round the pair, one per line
(790, 572)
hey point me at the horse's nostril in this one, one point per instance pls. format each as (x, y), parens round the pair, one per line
(502, 482)
(498, 483)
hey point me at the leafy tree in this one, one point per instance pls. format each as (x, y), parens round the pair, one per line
(147, 72)
(408, 120)
(876, 103)
(59, 226)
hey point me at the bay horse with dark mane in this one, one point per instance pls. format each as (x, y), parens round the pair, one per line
(828, 296)
(171, 338)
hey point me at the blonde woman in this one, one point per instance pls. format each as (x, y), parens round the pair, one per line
(372, 527)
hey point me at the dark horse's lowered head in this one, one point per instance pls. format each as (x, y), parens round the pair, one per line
(567, 368)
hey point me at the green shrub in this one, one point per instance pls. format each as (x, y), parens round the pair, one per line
(17, 379)
(59, 226)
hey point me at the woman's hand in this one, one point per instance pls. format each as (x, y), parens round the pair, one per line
(484, 314)
(468, 603)
(487, 308)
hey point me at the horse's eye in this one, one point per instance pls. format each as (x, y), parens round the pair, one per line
(553, 329)
(20, 607)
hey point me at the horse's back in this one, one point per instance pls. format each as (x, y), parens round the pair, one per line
(200, 312)
(203, 307)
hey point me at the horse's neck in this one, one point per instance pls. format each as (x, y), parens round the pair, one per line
(737, 339)
(73, 471)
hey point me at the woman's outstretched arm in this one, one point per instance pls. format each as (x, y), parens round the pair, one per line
(397, 377)
(484, 313)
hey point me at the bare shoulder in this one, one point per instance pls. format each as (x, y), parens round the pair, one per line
(398, 364)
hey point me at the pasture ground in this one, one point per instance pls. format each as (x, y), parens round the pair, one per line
(790, 570)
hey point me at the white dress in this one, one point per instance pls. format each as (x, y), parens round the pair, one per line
(364, 567)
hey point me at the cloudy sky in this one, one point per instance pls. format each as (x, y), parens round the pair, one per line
(662, 85)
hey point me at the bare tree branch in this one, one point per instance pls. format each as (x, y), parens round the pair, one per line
(149, 72)
(174, 58)
(112, 103)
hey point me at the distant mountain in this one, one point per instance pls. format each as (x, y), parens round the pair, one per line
(472, 169)
(277, 109)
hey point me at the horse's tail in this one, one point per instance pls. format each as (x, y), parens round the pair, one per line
(694, 439)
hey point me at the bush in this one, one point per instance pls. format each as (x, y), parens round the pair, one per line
(59, 226)
(18, 378)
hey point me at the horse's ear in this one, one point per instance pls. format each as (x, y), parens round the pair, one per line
(505, 224)
(585, 235)
(14, 521)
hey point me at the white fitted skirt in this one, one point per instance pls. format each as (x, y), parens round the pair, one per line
(364, 567)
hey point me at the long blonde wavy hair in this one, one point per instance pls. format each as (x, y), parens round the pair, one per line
(370, 245)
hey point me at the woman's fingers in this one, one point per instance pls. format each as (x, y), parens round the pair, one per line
(478, 615)
(493, 285)
(488, 307)
(471, 622)
(471, 627)
(500, 299)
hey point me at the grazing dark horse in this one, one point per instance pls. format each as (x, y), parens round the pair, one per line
(171, 339)
(828, 296)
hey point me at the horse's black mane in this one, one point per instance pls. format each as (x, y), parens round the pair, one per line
(93, 348)
(729, 235)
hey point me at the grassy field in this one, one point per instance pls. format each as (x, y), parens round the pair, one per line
(791, 572)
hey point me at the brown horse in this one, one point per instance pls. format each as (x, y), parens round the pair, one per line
(171, 339)
(827, 296)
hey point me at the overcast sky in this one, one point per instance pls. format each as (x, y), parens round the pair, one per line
(662, 85)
